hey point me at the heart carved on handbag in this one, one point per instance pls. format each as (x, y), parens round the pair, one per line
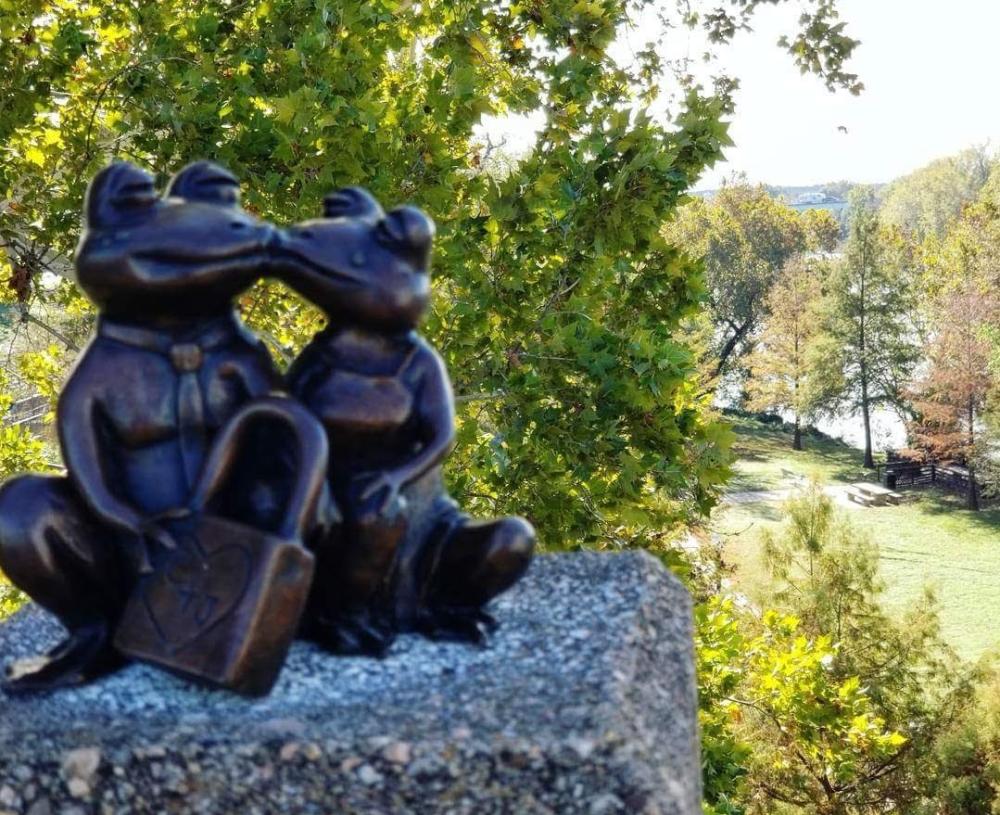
(193, 593)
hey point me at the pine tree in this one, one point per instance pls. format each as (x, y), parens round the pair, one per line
(871, 307)
(785, 369)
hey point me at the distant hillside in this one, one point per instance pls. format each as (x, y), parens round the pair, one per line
(830, 196)
(836, 190)
(804, 195)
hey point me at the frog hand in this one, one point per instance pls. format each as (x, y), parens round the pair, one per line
(390, 482)
(143, 541)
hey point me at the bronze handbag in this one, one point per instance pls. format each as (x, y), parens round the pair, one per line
(223, 608)
(225, 605)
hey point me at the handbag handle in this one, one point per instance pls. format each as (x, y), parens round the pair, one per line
(311, 448)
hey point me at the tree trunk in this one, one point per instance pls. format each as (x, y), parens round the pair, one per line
(739, 332)
(972, 494)
(865, 412)
(797, 438)
(863, 360)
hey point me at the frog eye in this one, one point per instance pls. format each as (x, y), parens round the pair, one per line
(408, 232)
(206, 182)
(352, 202)
(120, 194)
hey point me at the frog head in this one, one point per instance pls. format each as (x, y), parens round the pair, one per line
(176, 257)
(362, 266)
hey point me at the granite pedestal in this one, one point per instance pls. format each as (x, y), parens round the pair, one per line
(583, 703)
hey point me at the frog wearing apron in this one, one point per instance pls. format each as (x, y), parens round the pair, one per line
(404, 557)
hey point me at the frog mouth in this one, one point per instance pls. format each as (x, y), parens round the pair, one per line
(162, 266)
(302, 263)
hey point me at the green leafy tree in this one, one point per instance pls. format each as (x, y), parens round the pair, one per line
(966, 771)
(19, 451)
(557, 298)
(926, 201)
(806, 738)
(823, 703)
(967, 251)
(825, 572)
(785, 368)
(872, 312)
(745, 237)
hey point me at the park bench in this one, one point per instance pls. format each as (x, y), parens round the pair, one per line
(873, 494)
(859, 497)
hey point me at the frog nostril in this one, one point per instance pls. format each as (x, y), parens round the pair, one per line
(237, 225)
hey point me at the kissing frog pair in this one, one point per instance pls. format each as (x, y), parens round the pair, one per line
(175, 408)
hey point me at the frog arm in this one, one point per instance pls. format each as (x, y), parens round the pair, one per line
(304, 370)
(435, 409)
(79, 418)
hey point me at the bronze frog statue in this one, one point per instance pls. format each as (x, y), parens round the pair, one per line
(169, 367)
(207, 517)
(403, 557)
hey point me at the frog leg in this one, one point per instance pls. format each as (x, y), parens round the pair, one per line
(66, 562)
(349, 610)
(475, 561)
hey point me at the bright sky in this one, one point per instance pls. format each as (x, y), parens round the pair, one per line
(930, 73)
(929, 67)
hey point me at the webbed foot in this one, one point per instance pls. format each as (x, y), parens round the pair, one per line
(456, 625)
(82, 657)
(358, 634)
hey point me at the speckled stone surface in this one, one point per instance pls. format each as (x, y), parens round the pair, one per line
(584, 702)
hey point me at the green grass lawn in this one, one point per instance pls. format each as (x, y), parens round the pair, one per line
(764, 451)
(929, 540)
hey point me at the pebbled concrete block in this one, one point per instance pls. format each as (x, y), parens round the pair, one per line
(583, 703)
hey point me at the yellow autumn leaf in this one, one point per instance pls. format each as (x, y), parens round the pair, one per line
(35, 156)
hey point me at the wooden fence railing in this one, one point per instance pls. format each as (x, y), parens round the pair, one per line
(914, 474)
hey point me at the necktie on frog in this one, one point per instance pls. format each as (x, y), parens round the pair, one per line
(187, 358)
(187, 355)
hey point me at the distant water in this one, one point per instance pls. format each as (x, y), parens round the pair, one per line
(888, 430)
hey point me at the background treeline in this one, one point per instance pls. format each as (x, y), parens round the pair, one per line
(899, 311)
(585, 337)
(818, 700)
